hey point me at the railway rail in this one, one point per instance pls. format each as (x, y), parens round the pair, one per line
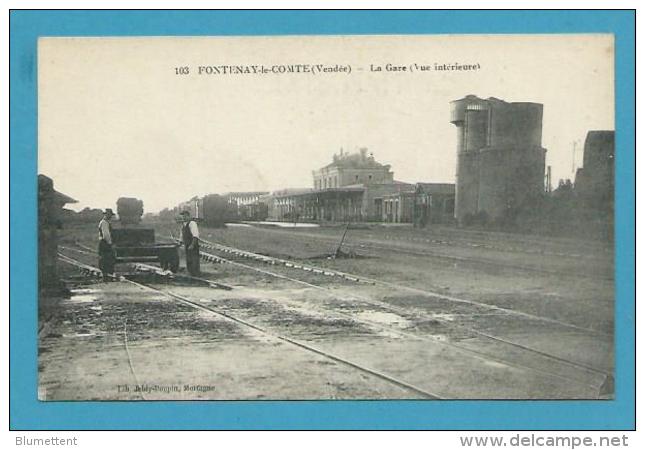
(481, 239)
(286, 263)
(364, 244)
(583, 372)
(480, 244)
(424, 393)
(138, 267)
(361, 279)
(432, 294)
(606, 377)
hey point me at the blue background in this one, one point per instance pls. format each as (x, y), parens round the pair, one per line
(26, 412)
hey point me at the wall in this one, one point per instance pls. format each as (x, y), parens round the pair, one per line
(378, 191)
(509, 178)
(50, 208)
(594, 183)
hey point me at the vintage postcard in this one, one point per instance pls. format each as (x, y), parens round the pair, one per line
(326, 217)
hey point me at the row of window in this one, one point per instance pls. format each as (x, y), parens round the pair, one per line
(329, 182)
(326, 182)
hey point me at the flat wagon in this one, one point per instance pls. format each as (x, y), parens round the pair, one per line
(138, 245)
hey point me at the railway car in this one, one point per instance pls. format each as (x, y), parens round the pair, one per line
(214, 210)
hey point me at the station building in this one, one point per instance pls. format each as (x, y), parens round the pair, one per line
(354, 187)
(348, 169)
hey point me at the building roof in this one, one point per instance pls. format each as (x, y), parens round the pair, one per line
(397, 194)
(351, 188)
(291, 191)
(477, 99)
(63, 199)
(242, 194)
(360, 160)
(437, 188)
(46, 185)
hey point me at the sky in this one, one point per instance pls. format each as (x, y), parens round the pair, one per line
(115, 119)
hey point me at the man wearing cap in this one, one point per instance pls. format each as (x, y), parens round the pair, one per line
(106, 251)
(190, 238)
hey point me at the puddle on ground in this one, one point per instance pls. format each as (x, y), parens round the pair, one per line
(384, 318)
(287, 224)
(210, 317)
(83, 298)
(83, 291)
(443, 316)
(77, 335)
(495, 364)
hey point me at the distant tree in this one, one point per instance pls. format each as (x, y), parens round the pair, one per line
(168, 214)
(90, 215)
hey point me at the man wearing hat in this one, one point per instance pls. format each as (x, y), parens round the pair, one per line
(190, 238)
(106, 251)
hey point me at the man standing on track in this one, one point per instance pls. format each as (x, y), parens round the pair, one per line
(106, 251)
(190, 238)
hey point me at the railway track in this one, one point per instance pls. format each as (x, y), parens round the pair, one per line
(491, 247)
(423, 393)
(487, 262)
(279, 261)
(431, 294)
(363, 244)
(361, 279)
(482, 240)
(585, 372)
(298, 343)
(147, 268)
(582, 378)
(535, 352)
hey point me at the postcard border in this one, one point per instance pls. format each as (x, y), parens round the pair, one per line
(27, 413)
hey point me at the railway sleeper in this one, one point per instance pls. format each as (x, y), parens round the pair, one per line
(274, 261)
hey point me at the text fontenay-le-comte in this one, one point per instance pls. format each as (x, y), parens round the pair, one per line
(32, 442)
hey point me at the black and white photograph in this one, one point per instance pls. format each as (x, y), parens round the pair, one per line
(373, 217)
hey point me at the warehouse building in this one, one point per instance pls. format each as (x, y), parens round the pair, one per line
(594, 183)
(433, 203)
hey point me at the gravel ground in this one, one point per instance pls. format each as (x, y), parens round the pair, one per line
(115, 341)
